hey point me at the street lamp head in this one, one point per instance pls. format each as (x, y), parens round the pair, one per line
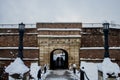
(21, 27)
(105, 26)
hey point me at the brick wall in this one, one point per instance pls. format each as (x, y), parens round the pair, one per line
(99, 54)
(93, 37)
(9, 42)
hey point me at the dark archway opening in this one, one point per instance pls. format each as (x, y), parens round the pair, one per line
(59, 59)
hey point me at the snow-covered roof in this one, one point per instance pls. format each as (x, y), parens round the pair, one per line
(14, 26)
(17, 48)
(17, 67)
(89, 48)
(99, 25)
(59, 29)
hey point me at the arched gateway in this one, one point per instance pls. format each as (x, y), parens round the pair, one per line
(59, 44)
(59, 59)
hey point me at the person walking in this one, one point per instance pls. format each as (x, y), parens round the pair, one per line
(39, 74)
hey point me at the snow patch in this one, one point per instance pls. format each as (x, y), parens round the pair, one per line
(58, 35)
(57, 78)
(17, 67)
(34, 70)
(89, 48)
(90, 68)
(108, 67)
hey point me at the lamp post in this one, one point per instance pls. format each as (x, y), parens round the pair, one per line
(106, 46)
(21, 34)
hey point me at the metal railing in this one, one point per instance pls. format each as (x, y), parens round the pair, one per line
(99, 25)
(84, 25)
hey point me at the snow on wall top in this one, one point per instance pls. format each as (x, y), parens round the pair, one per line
(99, 25)
(3, 26)
(84, 25)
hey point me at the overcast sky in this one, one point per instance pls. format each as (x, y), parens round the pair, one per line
(32, 11)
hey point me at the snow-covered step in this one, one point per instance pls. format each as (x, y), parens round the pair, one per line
(61, 75)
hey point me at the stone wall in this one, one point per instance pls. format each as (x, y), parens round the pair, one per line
(70, 44)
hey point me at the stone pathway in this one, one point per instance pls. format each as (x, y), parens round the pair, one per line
(60, 75)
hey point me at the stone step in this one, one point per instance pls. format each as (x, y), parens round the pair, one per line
(60, 75)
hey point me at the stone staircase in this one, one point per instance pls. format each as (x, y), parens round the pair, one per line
(60, 75)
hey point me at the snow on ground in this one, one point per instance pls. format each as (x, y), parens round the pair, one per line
(76, 76)
(57, 78)
(17, 67)
(61, 75)
(108, 67)
(34, 70)
(90, 68)
(45, 75)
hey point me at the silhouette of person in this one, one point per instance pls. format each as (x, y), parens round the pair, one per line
(39, 74)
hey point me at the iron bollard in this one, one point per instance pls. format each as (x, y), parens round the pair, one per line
(82, 74)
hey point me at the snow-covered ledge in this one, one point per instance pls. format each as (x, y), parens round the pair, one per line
(17, 48)
(30, 59)
(90, 48)
(108, 67)
(95, 59)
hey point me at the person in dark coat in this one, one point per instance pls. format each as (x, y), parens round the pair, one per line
(45, 68)
(39, 74)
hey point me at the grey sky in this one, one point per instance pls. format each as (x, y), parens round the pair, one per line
(32, 11)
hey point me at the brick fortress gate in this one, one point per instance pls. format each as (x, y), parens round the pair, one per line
(59, 44)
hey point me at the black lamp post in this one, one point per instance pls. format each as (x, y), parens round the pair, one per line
(21, 34)
(106, 46)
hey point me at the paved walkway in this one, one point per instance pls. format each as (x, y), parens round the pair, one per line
(60, 75)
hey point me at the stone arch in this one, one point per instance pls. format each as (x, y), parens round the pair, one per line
(64, 62)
